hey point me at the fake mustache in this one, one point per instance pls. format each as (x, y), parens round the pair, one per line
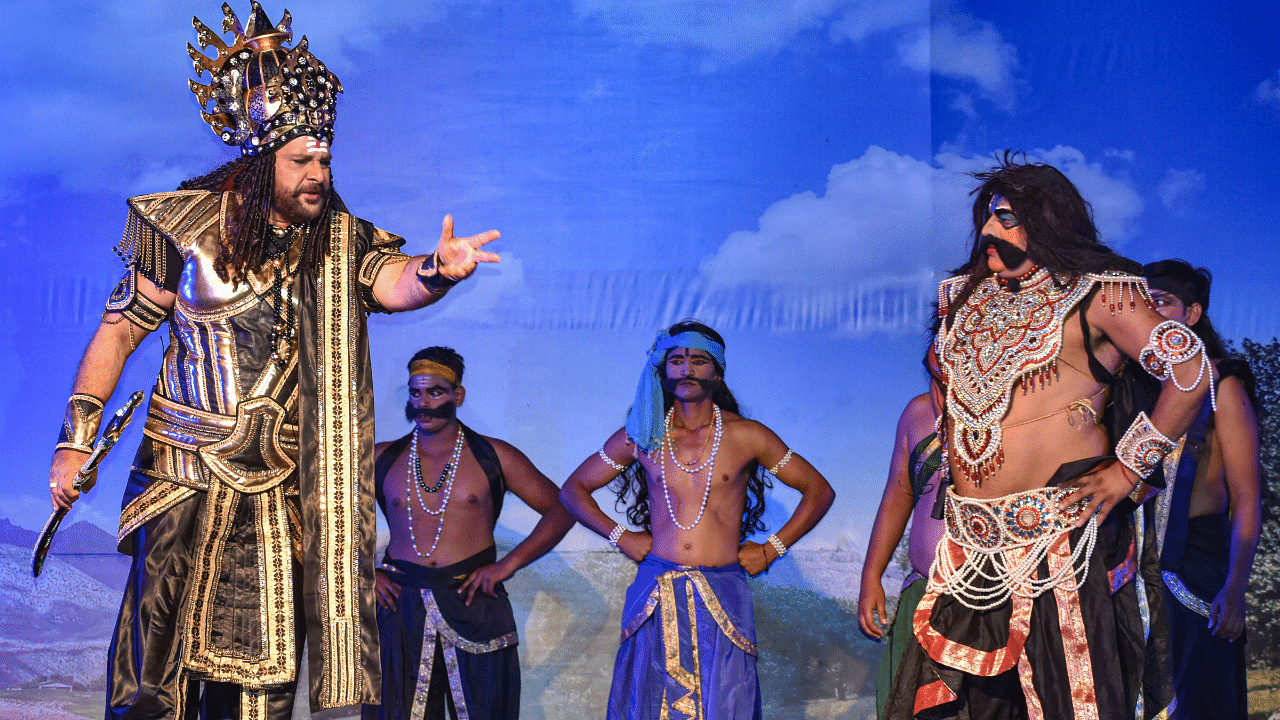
(446, 411)
(1011, 255)
(708, 385)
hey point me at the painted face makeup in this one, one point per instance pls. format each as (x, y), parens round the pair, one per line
(1004, 215)
(317, 146)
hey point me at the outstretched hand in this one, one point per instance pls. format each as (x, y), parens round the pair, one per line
(1101, 490)
(458, 256)
(484, 579)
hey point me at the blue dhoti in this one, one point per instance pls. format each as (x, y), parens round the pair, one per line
(688, 646)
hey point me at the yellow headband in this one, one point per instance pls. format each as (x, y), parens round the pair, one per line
(427, 367)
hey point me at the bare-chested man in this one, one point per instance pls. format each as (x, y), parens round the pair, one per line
(688, 632)
(448, 634)
(1209, 518)
(1031, 609)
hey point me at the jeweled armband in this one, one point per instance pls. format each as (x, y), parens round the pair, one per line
(1143, 447)
(80, 424)
(133, 305)
(1172, 343)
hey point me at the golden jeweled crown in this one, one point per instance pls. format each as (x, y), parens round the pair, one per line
(264, 93)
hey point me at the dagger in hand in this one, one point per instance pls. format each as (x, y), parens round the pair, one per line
(110, 434)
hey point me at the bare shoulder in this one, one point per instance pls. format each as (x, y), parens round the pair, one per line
(744, 427)
(919, 409)
(752, 435)
(1232, 395)
(505, 450)
(381, 447)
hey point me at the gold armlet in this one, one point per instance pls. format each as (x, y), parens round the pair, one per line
(80, 424)
(137, 308)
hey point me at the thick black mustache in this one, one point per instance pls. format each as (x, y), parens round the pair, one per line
(446, 411)
(1011, 255)
(708, 385)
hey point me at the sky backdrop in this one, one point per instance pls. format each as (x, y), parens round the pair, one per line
(792, 173)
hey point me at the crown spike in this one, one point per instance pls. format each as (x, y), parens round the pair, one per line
(202, 92)
(207, 37)
(259, 23)
(231, 23)
(286, 26)
(200, 61)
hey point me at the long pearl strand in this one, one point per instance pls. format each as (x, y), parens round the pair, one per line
(450, 469)
(710, 465)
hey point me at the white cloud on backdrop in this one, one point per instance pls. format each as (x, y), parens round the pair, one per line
(886, 215)
(734, 30)
(1177, 188)
(1268, 91)
(958, 46)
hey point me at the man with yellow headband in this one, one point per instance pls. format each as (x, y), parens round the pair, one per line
(249, 512)
(448, 634)
(688, 632)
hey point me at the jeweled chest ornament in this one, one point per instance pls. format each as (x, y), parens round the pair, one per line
(997, 340)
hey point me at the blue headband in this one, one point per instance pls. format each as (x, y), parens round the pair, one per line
(644, 424)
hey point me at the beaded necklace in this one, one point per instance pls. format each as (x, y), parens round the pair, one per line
(284, 326)
(668, 449)
(447, 477)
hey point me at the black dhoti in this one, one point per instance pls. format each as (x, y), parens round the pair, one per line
(442, 658)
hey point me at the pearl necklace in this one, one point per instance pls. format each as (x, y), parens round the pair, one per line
(710, 465)
(690, 467)
(447, 477)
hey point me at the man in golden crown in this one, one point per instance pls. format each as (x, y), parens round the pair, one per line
(1035, 603)
(249, 511)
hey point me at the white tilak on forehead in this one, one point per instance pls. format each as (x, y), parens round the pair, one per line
(317, 146)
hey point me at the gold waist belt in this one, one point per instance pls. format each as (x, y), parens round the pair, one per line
(253, 450)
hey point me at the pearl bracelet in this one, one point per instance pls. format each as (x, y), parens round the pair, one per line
(615, 535)
(777, 545)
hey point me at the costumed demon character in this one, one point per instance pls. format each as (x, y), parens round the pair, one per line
(249, 511)
(448, 634)
(1208, 520)
(1034, 606)
(688, 630)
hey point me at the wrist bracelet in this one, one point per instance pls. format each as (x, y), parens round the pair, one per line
(615, 535)
(1143, 492)
(1143, 447)
(80, 423)
(610, 461)
(777, 545)
(431, 278)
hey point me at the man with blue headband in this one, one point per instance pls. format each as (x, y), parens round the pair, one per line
(688, 632)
